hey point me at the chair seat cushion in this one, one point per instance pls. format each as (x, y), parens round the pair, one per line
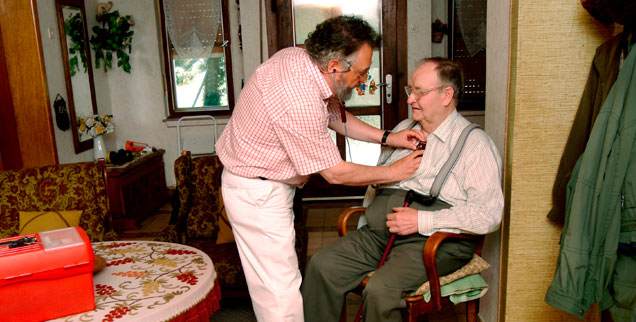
(32, 222)
(467, 288)
(475, 266)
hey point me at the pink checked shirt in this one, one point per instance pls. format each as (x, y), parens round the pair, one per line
(278, 129)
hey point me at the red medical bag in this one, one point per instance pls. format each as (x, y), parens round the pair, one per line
(46, 275)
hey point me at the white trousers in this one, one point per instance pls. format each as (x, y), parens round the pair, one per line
(262, 219)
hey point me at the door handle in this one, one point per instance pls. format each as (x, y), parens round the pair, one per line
(388, 93)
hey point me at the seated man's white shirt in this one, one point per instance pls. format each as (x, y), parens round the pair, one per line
(473, 187)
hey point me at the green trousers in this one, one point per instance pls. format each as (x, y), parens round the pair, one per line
(340, 266)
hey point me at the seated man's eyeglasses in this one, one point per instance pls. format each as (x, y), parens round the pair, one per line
(419, 93)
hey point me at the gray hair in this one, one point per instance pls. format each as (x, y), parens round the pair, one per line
(339, 38)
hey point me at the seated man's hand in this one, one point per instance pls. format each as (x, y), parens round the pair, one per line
(403, 221)
(406, 138)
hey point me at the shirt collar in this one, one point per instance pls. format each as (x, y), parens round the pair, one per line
(316, 74)
(444, 130)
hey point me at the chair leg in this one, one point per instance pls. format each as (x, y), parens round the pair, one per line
(471, 311)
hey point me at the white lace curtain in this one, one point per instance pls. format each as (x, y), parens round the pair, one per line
(472, 21)
(192, 26)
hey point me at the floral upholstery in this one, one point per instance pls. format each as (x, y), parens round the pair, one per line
(204, 198)
(75, 186)
(198, 182)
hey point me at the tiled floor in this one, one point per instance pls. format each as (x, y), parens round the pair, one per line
(321, 224)
(151, 226)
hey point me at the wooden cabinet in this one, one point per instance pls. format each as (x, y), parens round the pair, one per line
(136, 190)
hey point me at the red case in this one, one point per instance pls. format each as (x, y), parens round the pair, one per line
(49, 279)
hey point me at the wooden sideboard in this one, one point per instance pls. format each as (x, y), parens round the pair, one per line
(136, 189)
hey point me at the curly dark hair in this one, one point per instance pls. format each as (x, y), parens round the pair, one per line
(450, 74)
(339, 37)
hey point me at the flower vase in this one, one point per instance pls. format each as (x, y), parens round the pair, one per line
(99, 148)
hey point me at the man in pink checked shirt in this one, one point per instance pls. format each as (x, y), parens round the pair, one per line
(278, 136)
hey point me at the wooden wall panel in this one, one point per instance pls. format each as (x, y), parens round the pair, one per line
(27, 79)
(552, 46)
(9, 159)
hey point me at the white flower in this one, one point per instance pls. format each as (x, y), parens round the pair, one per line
(95, 125)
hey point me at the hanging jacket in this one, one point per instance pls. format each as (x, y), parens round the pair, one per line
(599, 82)
(592, 227)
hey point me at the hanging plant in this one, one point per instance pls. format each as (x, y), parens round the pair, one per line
(113, 35)
(74, 28)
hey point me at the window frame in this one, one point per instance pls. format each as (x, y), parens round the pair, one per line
(168, 70)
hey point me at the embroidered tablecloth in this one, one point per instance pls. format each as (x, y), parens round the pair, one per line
(152, 281)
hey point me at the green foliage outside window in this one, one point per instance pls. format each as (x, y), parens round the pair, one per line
(212, 91)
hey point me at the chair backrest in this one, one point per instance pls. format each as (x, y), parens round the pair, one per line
(199, 186)
(74, 186)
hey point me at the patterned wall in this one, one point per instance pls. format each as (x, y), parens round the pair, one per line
(552, 45)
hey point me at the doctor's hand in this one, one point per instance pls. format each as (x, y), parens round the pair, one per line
(403, 221)
(406, 167)
(406, 138)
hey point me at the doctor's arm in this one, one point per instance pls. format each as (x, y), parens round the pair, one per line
(359, 130)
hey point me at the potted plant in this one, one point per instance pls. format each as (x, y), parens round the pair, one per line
(439, 30)
(114, 34)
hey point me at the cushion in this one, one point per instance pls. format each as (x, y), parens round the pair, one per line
(36, 221)
(465, 289)
(475, 266)
(225, 230)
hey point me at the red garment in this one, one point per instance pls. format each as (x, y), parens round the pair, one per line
(278, 129)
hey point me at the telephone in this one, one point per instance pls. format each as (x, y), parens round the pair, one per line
(61, 114)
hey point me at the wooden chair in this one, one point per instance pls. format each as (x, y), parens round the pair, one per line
(416, 307)
(200, 214)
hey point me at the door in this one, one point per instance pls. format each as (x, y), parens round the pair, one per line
(378, 102)
(9, 151)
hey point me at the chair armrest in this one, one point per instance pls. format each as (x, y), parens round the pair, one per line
(430, 253)
(344, 217)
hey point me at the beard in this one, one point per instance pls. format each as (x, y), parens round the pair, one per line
(342, 92)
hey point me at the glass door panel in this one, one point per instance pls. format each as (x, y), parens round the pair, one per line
(368, 102)
(366, 98)
(364, 152)
(309, 13)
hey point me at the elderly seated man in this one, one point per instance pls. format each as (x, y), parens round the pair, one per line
(470, 201)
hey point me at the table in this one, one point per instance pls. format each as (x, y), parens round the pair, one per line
(136, 189)
(152, 281)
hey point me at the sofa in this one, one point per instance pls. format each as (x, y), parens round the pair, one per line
(56, 188)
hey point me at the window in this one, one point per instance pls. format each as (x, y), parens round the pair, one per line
(467, 46)
(197, 58)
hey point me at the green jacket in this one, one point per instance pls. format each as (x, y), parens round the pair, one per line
(592, 226)
(602, 76)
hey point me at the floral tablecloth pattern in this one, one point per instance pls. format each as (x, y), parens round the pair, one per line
(150, 281)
